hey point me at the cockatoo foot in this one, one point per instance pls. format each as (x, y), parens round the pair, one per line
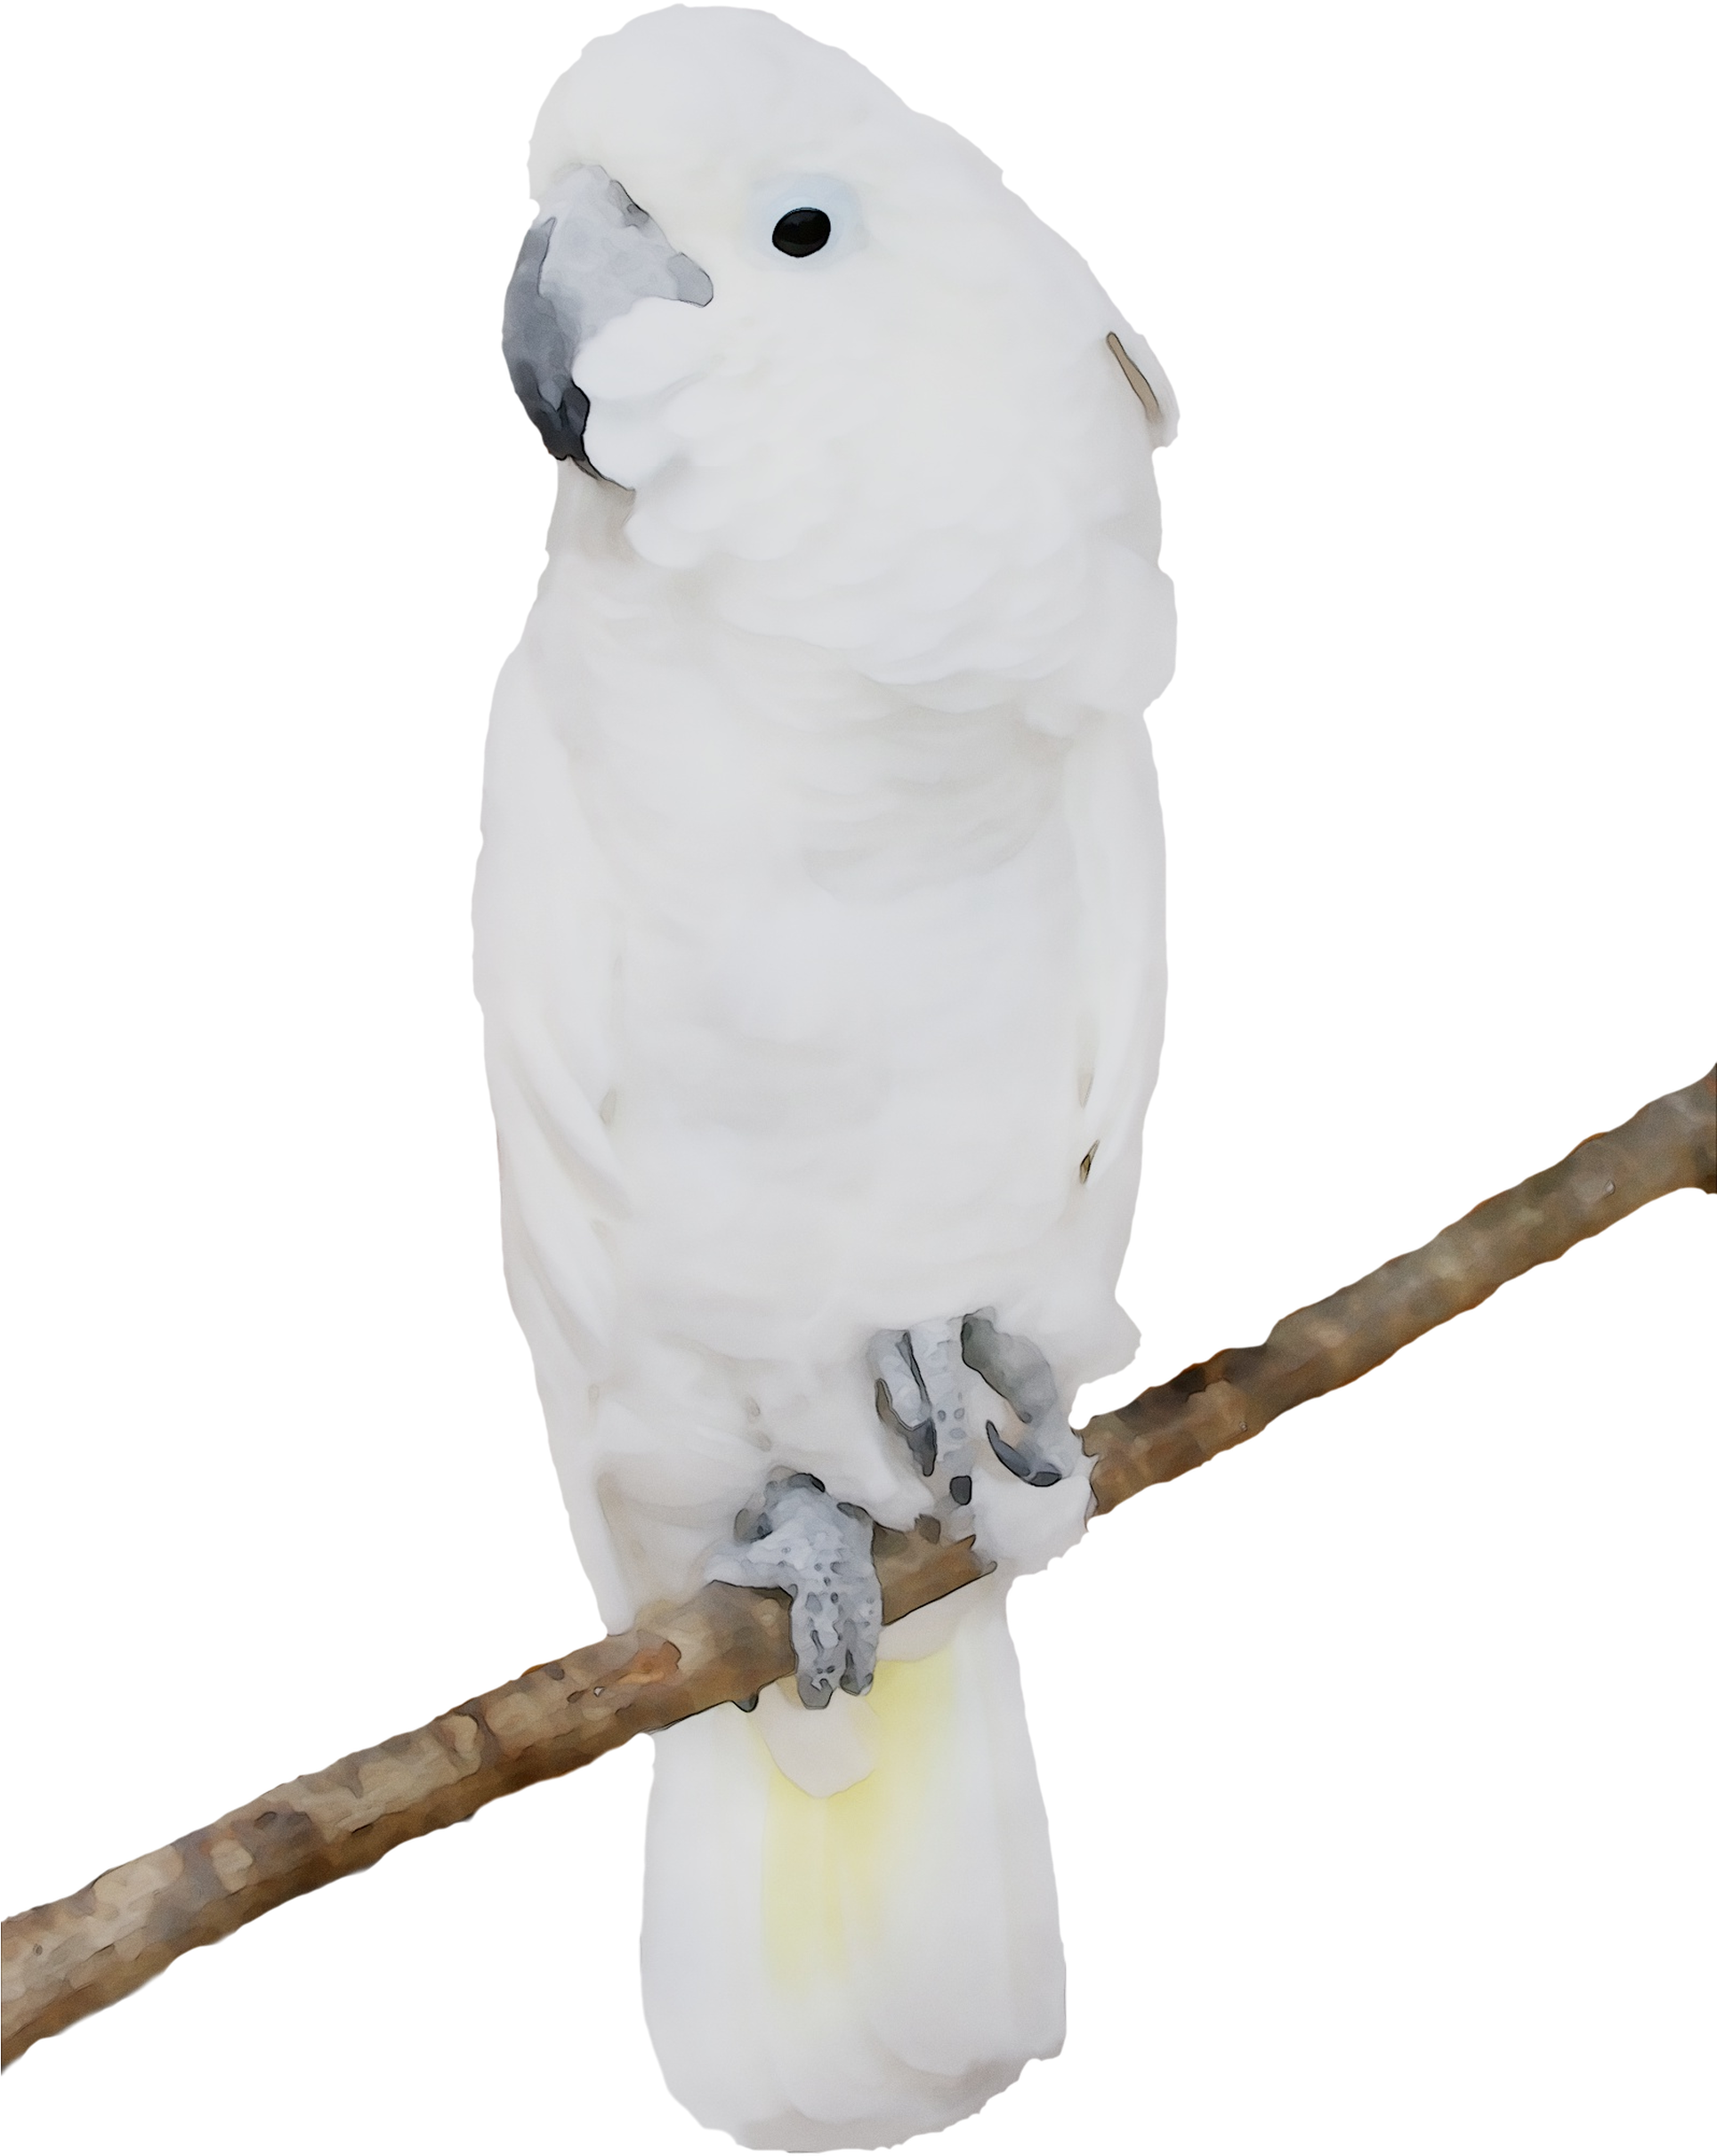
(799, 1538)
(939, 1385)
(1040, 1448)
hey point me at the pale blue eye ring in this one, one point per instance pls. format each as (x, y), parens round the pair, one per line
(804, 218)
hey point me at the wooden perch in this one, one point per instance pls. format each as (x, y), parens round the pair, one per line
(68, 1958)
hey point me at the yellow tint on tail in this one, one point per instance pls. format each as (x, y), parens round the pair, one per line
(829, 1862)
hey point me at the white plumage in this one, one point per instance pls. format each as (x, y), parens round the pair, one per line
(819, 947)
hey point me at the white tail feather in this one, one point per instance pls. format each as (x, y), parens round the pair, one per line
(843, 1971)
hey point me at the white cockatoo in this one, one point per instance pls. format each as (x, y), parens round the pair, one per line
(819, 944)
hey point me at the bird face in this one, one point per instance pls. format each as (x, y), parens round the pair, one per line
(851, 382)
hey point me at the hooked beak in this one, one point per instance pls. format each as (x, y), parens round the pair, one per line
(591, 255)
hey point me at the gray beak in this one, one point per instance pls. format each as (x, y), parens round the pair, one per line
(590, 256)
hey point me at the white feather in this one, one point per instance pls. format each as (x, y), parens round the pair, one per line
(819, 944)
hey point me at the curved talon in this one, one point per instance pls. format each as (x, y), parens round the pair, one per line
(1017, 1463)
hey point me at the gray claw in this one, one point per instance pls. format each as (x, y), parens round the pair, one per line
(1019, 1463)
(1011, 1366)
(819, 1549)
(923, 1394)
(902, 1402)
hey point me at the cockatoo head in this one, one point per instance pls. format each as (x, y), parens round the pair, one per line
(860, 395)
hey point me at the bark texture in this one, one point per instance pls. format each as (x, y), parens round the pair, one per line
(71, 1956)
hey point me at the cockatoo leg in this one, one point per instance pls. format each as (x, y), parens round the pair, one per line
(799, 1538)
(939, 1385)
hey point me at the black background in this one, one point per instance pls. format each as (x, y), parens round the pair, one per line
(1372, 1697)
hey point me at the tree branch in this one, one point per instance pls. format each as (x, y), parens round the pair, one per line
(72, 1957)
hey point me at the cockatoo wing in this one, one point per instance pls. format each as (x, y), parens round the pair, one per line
(547, 946)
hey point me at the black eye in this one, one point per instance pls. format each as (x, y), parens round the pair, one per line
(801, 231)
